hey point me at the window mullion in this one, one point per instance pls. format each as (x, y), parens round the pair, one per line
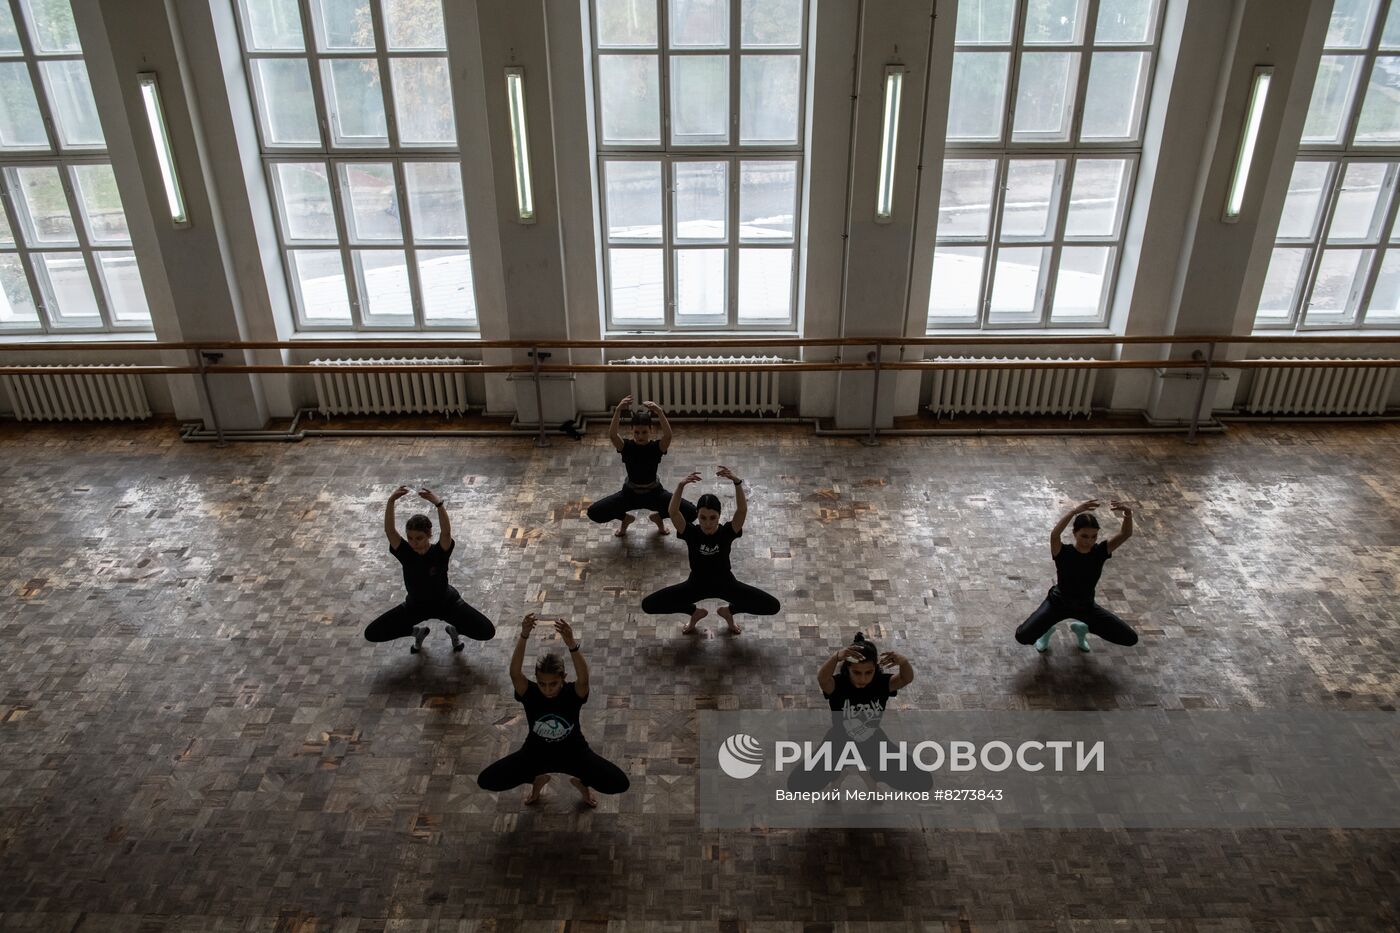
(1310, 280)
(1086, 54)
(381, 57)
(668, 246)
(1064, 171)
(26, 261)
(993, 237)
(1363, 301)
(415, 287)
(731, 265)
(313, 70)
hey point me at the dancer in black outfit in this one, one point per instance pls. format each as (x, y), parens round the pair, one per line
(1077, 570)
(425, 579)
(710, 574)
(858, 692)
(641, 455)
(555, 743)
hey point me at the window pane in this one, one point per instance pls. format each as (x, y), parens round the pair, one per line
(770, 98)
(1281, 284)
(957, 282)
(383, 275)
(628, 87)
(701, 199)
(43, 207)
(985, 22)
(1303, 206)
(423, 101)
(74, 110)
(21, 127)
(699, 23)
(1385, 297)
(633, 200)
(1361, 203)
(965, 199)
(285, 101)
(1126, 22)
(1031, 186)
(9, 34)
(371, 209)
(101, 204)
(978, 96)
(699, 99)
(1390, 35)
(413, 24)
(16, 301)
(1096, 199)
(701, 288)
(1331, 98)
(1080, 283)
(767, 200)
(51, 26)
(1337, 290)
(1056, 22)
(435, 201)
(626, 23)
(765, 285)
(355, 102)
(71, 299)
(446, 279)
(1045, 96)
(771, 24)
(636, 285)
(319, 279)
(1114, 98)
(272, 25)
(1380, 113)
(304, 195)
(1016, 286)
(342, 24)
(126, 298)
(1350, 26)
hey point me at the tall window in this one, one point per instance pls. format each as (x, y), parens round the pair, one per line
(1335, 263)
(1044, 137)
(700, 135)
(66, 263)
(360, 145)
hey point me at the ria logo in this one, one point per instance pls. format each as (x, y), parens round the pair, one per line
(740, 756)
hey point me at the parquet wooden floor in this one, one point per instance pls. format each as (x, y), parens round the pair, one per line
(195, 737)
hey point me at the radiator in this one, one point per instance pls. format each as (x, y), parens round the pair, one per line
(402, 392)
(1012, 391)
(95, 397)
(707, 393)
(1321, 390)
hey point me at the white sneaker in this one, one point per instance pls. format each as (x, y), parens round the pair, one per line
(420, 632)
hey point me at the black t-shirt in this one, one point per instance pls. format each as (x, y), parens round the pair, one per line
(553, 720)
(709, 554)
(641, 461)
(857, 710)
(424, 575)
(1077, 574)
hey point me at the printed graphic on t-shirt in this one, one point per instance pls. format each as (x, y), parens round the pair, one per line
(709, 550)
(860, 720)
(552, 727)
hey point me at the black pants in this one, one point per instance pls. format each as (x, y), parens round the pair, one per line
(683, 596)
(913, 778)
(524, 765)
(1055, 610)
(454, 610)
(612, 508)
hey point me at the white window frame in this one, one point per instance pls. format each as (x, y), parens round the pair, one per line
(1071, 150)
(64, 159)
(669, 154)
(1340, 156)
(395, 152)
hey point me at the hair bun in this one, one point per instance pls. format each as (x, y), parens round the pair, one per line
(860, 637)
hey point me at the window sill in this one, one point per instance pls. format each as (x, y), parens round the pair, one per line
(139, 336)
(384, 336)
(1030, 332)
(671, 336)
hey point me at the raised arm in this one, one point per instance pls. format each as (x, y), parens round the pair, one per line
(665, 424)
(614, 432)
(580, 665)
(517, 658)
(826, 674)
(741, 500)
(391, 530)
(906, 670)
(444, 523)
(1087, 505)
(1126, 531)
(674, 509)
